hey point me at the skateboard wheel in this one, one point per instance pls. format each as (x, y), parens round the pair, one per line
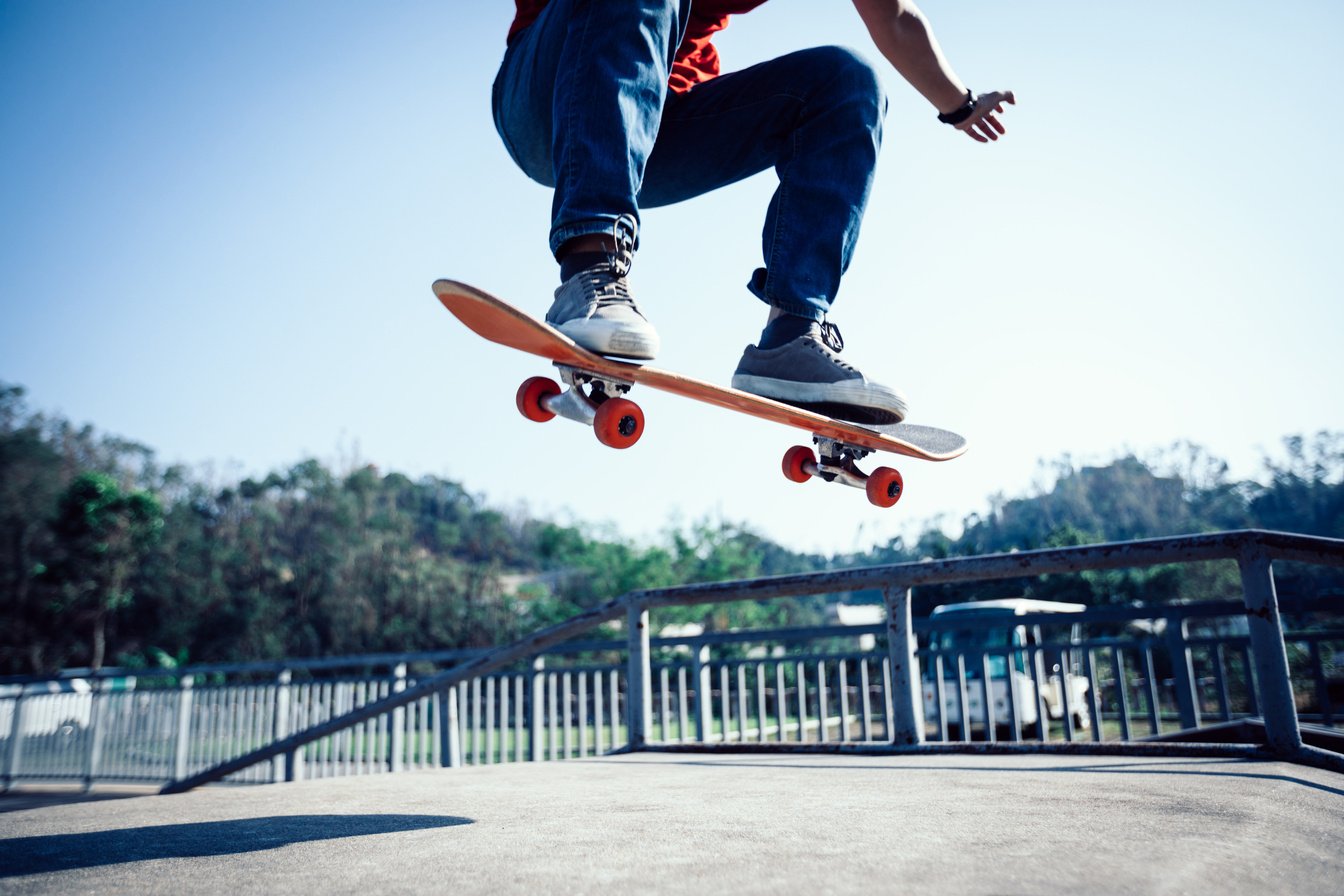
(795, 464)
(884, 486)
(531, 398)
(619, 423)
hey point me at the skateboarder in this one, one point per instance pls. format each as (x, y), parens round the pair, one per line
(620, 105)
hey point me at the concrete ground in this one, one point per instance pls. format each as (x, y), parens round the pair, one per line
(697, 823)
(41, 796)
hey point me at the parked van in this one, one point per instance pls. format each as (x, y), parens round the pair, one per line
(948, 640)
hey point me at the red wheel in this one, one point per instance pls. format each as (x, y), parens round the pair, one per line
(619, 423)
(530, 396)
(884, 486)
(796, 460)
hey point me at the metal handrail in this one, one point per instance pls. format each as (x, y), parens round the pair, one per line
(269, 667)
(1016, 564)
(1254, 550)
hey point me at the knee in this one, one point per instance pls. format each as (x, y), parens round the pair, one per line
(664, 14)
(852, 78)
(663, 21)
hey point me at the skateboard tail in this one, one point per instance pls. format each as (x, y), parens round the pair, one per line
(482, 315)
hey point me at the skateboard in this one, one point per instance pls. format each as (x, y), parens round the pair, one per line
(595, 390)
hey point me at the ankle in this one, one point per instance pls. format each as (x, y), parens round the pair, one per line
(574, 262)
(583, 252)
(782, 329)
(589, 242)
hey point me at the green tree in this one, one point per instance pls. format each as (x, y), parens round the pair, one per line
(1306, 490)
(102, 534)
(30, 481)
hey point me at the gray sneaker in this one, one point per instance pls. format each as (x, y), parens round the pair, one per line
(808, 373)
(595, 309)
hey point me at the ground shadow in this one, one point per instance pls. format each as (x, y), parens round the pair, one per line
(65, 852)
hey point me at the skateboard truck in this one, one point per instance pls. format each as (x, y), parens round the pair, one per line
(836, 461)
(594, 400)
(599, 401)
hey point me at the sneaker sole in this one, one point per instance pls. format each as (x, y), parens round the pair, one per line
(842, 401)
(618, 341)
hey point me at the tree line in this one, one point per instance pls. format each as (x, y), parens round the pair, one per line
(108, 557)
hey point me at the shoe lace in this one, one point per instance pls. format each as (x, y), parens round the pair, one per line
(829, 336)
(604, 287)
(623, 233)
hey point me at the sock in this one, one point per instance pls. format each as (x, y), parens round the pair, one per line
(574, 262)
(783, 330)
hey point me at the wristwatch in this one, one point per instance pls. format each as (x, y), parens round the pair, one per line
(961, 113)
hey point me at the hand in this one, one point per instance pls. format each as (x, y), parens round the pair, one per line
(983, 126)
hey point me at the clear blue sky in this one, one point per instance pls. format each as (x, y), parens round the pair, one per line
(219, 223)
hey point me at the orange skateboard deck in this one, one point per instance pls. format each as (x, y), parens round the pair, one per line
(598, 385)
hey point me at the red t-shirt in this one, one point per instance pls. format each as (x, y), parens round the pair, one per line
(697, 60)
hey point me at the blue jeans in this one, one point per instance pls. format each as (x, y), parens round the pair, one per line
(582, 104)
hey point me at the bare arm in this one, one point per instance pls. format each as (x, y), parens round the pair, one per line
(904, 37)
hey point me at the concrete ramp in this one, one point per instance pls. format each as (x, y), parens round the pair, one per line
(729, 823)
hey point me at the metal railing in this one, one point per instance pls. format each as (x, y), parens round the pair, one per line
(675, 694)
(1126, 687)
(1253, 551)
(120, 725)
(827, 684)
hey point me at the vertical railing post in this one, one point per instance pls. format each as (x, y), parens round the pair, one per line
(1182, 672)
(1093, 698)
(449, 730)
(450, 733)
(639, 680)
(182, 753)
(700, 675)
(281, 768)
(906, 709)
(396, 741)
(1011, 693)
(14, 745)
(94, 756)
(987, 696)
(294, 765)
(536, 723)
(1122, 688)
(1271, 656)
